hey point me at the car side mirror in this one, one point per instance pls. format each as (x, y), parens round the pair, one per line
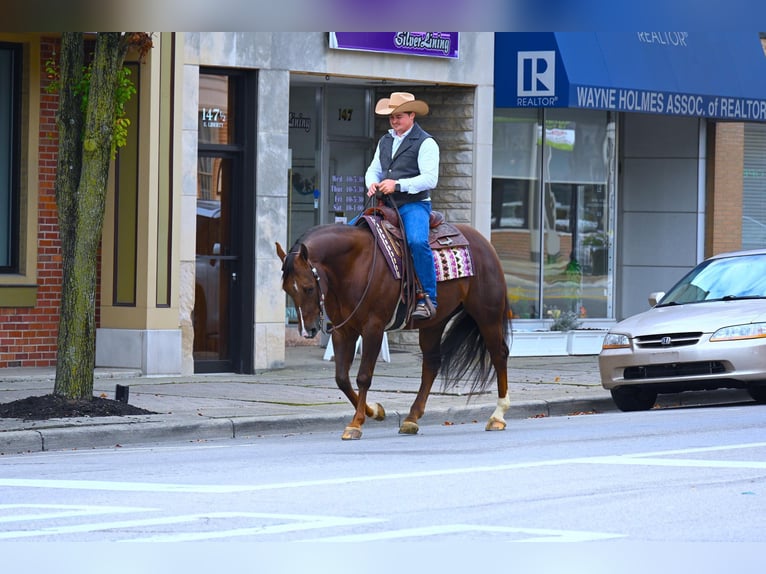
(655, 297)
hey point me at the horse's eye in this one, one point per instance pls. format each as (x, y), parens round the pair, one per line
(309, 290)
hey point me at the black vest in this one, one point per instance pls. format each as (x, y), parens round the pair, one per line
(405, 164)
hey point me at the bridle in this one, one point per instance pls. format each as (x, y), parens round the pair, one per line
(321, 293)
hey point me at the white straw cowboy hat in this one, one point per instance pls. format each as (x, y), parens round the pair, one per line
(400, 102)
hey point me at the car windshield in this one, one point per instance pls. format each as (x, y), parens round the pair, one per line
(738, 277)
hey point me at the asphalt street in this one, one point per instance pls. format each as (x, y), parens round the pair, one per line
(301, 397)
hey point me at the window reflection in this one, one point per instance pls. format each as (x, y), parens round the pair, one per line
(552, 180)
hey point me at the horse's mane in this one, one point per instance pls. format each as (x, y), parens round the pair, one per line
(313, 235)
(288, 265)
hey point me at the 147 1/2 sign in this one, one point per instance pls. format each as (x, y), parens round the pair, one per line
(212, 117)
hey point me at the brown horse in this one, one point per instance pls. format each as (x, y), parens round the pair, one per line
(339, 271)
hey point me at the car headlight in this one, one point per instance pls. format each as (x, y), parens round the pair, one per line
(615, 341)
(739, 332)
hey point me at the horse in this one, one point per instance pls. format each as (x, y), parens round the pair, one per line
(336, 270)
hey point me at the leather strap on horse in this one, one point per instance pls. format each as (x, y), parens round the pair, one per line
(359, 304)
(408, 286)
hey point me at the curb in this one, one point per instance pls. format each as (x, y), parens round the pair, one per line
(107, 434)
(101, 434)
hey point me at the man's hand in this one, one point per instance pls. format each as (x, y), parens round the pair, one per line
(385, 187)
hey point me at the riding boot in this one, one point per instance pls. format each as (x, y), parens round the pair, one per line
(424, 309)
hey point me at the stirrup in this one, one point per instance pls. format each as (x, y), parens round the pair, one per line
(424, 309)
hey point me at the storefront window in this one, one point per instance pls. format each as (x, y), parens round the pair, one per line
(216, 112)
(9, 94)
(754, 188)
(303, 186)
(551, 223)
(515, 206)
(349, 152)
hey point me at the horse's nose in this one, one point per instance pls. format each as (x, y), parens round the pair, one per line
(311, 333)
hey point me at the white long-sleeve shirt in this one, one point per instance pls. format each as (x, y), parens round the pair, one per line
(428, 164)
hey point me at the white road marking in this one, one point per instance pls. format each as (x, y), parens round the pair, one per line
(678, 462)
(538, 534)
(297, 522)
(625, 459)
(287, 523)
(307, 522)
(653, 458)
(693, 450)
(57, 511)
(119, 486)
(234, 488)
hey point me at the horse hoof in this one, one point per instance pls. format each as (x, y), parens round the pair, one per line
(379, 413)
(408, 427)
(495, 424)
(351, 433)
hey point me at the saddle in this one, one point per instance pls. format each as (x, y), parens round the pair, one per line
(441, 234)
(449, 247)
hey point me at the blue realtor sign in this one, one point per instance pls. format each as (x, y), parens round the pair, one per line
(714, 75)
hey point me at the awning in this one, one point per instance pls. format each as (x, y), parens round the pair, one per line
(702, 74)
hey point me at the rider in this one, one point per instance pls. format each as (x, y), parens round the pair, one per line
(406, 166)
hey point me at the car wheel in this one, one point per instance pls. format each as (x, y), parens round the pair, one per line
(757, 392)
(633, 398)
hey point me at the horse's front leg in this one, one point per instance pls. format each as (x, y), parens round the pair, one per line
(430, 340)
(364, 379)
(344, 355)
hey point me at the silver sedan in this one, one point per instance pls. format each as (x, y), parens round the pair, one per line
(708, 332)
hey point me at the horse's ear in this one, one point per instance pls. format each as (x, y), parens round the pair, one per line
(304, 252)
(281, 252)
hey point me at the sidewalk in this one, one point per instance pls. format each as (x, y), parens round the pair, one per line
(301, 397)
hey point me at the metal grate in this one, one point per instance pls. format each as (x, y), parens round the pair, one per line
(667, 340)
(671, 370)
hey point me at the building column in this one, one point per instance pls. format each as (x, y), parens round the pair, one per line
(271, 215)
(139, 312)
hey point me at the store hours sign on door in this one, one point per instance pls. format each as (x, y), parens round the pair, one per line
(347, 193)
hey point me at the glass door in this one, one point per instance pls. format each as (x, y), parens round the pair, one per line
(217, 266)
(224, 286)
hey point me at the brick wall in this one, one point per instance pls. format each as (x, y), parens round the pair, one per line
(450, 122)
(723, 210)
(28, 335)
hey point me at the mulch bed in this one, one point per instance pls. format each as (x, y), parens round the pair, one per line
(55, 406)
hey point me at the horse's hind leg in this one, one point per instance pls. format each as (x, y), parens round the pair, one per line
(430, 339)
(494, 338)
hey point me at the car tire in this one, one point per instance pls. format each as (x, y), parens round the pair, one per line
(631, 398)
(757, 392)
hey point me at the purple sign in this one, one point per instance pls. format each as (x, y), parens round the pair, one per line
(433, 44)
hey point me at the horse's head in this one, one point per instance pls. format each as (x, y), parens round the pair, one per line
(300, 281)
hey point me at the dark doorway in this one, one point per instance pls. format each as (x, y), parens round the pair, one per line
(223, 302)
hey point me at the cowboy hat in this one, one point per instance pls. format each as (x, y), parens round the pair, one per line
(400, 102)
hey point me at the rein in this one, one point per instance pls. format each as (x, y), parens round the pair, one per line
(410, 297)
(321, 295)
(408, 286)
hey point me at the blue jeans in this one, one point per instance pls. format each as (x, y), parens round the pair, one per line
(415, 218)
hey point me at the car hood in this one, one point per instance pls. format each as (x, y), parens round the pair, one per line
(705, 317)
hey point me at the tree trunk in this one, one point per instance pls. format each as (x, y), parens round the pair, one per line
(85, 152)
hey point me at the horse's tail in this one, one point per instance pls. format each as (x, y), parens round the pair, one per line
(464, 353)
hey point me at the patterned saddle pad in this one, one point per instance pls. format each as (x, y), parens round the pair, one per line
(450, 249)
